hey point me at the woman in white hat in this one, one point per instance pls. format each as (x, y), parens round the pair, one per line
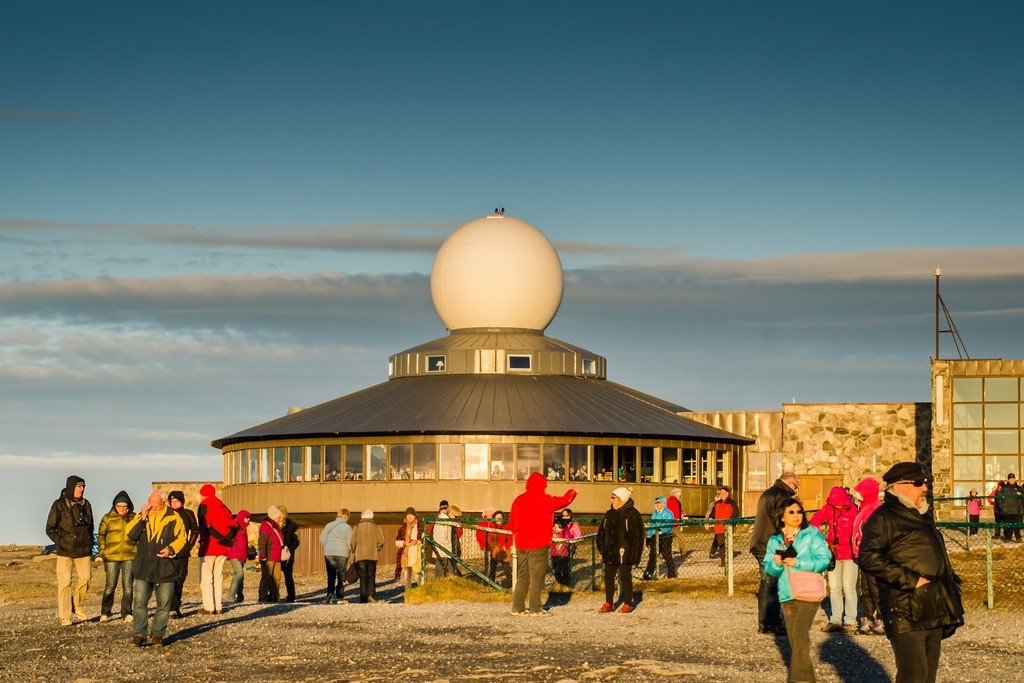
(620, 538)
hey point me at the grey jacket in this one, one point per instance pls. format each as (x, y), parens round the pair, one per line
(336, 537)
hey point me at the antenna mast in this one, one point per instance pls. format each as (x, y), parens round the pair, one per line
(961, 347)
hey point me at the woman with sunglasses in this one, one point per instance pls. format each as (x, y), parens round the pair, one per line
(796, 547)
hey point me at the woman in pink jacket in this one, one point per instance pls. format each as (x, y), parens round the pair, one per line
(838, 515)
(871, 622)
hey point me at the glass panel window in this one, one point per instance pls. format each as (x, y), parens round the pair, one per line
(401, 461)
(313, 462)
(1001, 415)
(527, 459)
(774, 466)
(647, 463)
(554, 462)
(451, 460)
(604, 463)
(264, 465)
(254, 466)
(376, 462)
(757, 471)
(689, 465)
(240, 467)
(278, 465)
(476, 461)
(424, 461)
(966, 389)
(578, 469)
(707, 470)
(353, 462)
(332, 463)
(967, 415)
(1001, 441)
(670, 465)
(1001, 389)
(627, 463)
(519, 362)
(967, 467)
(501, 461)
(435, 363)
(589, 366)
(967, 441)
(962, 489)
(294, 471)
(722, 461)
(998, 467)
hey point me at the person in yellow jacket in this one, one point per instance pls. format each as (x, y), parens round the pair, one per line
(160, 535)
(117, 551)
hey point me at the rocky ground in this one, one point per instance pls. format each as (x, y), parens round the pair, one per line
(668, 637)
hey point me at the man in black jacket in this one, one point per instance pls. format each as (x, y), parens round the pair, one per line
(290, 533)
(1012, 497)
(160, 535)
(176, 501)
(769, 505)
(69, 525)
(918, 591)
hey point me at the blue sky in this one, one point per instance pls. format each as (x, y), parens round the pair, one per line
(210, 211)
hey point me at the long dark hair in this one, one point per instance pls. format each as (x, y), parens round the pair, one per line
(780, 514)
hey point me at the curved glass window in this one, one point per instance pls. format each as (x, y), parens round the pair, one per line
(527, 460)
(401, 461)
(501, 461)
(332, 463)
(424, 461)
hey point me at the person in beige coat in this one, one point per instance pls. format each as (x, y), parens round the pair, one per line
(407, 540)
(367, 540)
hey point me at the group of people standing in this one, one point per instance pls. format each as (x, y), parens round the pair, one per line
(886, 561)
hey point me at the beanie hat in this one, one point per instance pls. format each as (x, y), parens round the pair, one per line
(903, 471)
(367, 514)
(283, 510)
(411, 511)
(622, 493)
(175, 495)
(273, 512)
(207, 491)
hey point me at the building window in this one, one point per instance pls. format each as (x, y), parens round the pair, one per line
(579, 469)
(476, 461)
(435, 363)
(520, 362)
(332, 463)
(689, 465)
(401, 461)
(376, 462)
(391, 368)
(527, 459)
(670, 465)
(647, 464)
(707, 470)
(353, 462)
(278, 465)
(254, 466)
(554, 462)
(239, 467)
(987, 421)
(294, 463)
(424, 461)
(604, 463)
(757, 471)
(627, 463)
(313, 462)
(451, 461)
(722, 462)
(501, 461)
(264, 465)
(589, 366)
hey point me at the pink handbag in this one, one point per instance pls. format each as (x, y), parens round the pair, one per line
(806, 586)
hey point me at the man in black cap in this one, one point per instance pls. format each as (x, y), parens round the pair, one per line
(1012, 497)
(919, 593)
(176, 501)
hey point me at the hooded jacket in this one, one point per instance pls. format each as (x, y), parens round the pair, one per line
(217, 528)
(812, 555)
(566, 532)
(868, 490)
(658, 519)
(114, 544)
(839, 513)
(900, 545)
(620, 538)
(69, 523)
(240, 547)
(768, 506)
(163, 529)
(533, 513)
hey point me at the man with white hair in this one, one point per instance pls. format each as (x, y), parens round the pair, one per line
(367, 540)
(160, 535)
(674, 505)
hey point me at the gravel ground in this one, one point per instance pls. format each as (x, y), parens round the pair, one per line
(667, 637)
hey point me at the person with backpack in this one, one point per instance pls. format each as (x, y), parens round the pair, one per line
(838, 515)
(217, 529)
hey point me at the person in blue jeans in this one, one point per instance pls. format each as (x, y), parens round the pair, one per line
(769, 616)
(160, 535)
(118, 552)
(335, 539)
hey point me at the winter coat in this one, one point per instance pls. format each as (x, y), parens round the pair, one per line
(270, 541)
(114, 544)
(500, 545)
(868, 490)
(409, 553)
(812, 555)
(161, 529)
(974, 506)
(901, 545)
(69, 523)
(240, 547)
(994, 500)
(290, 531)
(839, 513)
(768, 507)
(658, 523)
(336, 537)
(1012, 498)
(533, 513)
(442, 533)
(722, 509)
(188, 518)
(217, 527)
(367, 540)
(481, 535)
(675, 507)
(620, 538)
(568, 531)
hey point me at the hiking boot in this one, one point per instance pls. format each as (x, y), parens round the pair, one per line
(878, 627)
(606, 607)
(865, 627)
(65, 622)
(832, 628)
(138, 641)
(80, 616)
(157, 641)
(207, 612)
(849, 628)
(625, 609)
(104, 618)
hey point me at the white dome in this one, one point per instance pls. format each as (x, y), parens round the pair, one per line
(496, 271)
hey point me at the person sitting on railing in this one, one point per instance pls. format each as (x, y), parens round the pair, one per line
(561, 550)
(659, 540)
(499, 546)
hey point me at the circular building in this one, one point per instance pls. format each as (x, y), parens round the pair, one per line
(469, 416)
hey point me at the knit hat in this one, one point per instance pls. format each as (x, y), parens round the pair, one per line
(622, 493)
(904, 471)
(411, 511)
(175, 495)
(283, 509)
(273, 512)
(367, 514)
(207, 491)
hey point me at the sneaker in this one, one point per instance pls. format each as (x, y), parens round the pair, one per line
(128, 618)
(103, 618)
(138, 641)
(865, 627)
(878, 627)
(206, 612)
(832, 628)
(65, 622)
(80, 616)
(625, 609)
(157, 641)
(849, 628)
(606, 607)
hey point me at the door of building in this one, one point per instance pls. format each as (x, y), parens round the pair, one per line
(814, 489)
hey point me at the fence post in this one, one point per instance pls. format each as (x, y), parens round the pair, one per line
(988, 569)
(593, 564)
(728, 557)
(515, 567)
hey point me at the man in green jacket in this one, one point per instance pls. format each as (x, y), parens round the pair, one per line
(160, 535)
(117, 551)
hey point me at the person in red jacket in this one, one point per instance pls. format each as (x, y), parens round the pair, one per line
(838, 514)
(531, 519)
(217, 529)
(482, 536)
(867, 595)
(722, 507)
